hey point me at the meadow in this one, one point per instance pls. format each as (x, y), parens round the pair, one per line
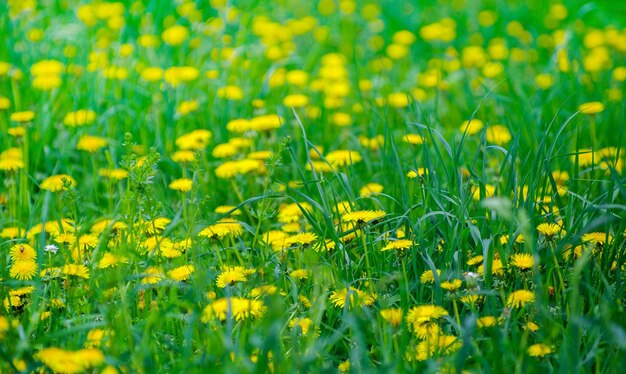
(350, 186)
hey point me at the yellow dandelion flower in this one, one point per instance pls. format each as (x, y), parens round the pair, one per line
(293, 212)
(11, 164)
(184, 156)
(56, 183)
(399, 245)
(344, 366)
(371, 189)
(520, 298)
(487, 321)
(522, 261)
(23, 291)
(531, 326)
(187, 107)
(12, 302)
(23, 270)
(452, 285)
(490, 191)
(303, 239)
(299, 274)
(157, 225)
(76, 270)
(194, 140)
(470, 299)
(393, 316)
(498, 134)
(151, 73)
(23, 252)
(236, 307)
(550, 230)
(472, 127)
(592, 107)
(342, 158)
(476, 260)
(79, 118)
(265, 290)
(222, 228)
(303, 324)
(351, 296)
(88, 241)
(231, 169)
(109, 260)
(425, 313)
(11, 232)
(597, 238)
(575, 251)
(182, 185)
(175, 35)
(504, 239)
(230, 92)
(65, 238)
(181, 273)
(362, 217)
(539, 350)
(22, 117)
(17, 131)
(115, 174)
(91, 144)
(428, 276)
(225, 150)
(497, 268)
(437, 345)
(419, 172)
(62, 361)
(152, 275)
(296, 101)
(230, 275)
(425, 330)
(414, 139)
(177, 75)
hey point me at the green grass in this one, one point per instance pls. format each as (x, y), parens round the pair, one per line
(560, 165)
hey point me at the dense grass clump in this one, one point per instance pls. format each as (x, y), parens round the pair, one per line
(312, 186)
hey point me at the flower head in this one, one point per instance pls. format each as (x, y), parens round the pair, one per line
(398, 245)
(222, 228)
(182, 185)
(425, 313)
(363, 216)
(22, 252)
(91, 144)
(522, 261)
(237, 307)
(303, 239)
(428, 276)
(351, 296)
(343, 158)
(23, 270)
(392, 315)
(592, 107)
(539, 350)
(62, 361)
(76, 270)
(436, 345)
(520, 298)
(181, 273)
(58, 183)
(230, 275)
(51, 248)
(79, 118)
(549, 230)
